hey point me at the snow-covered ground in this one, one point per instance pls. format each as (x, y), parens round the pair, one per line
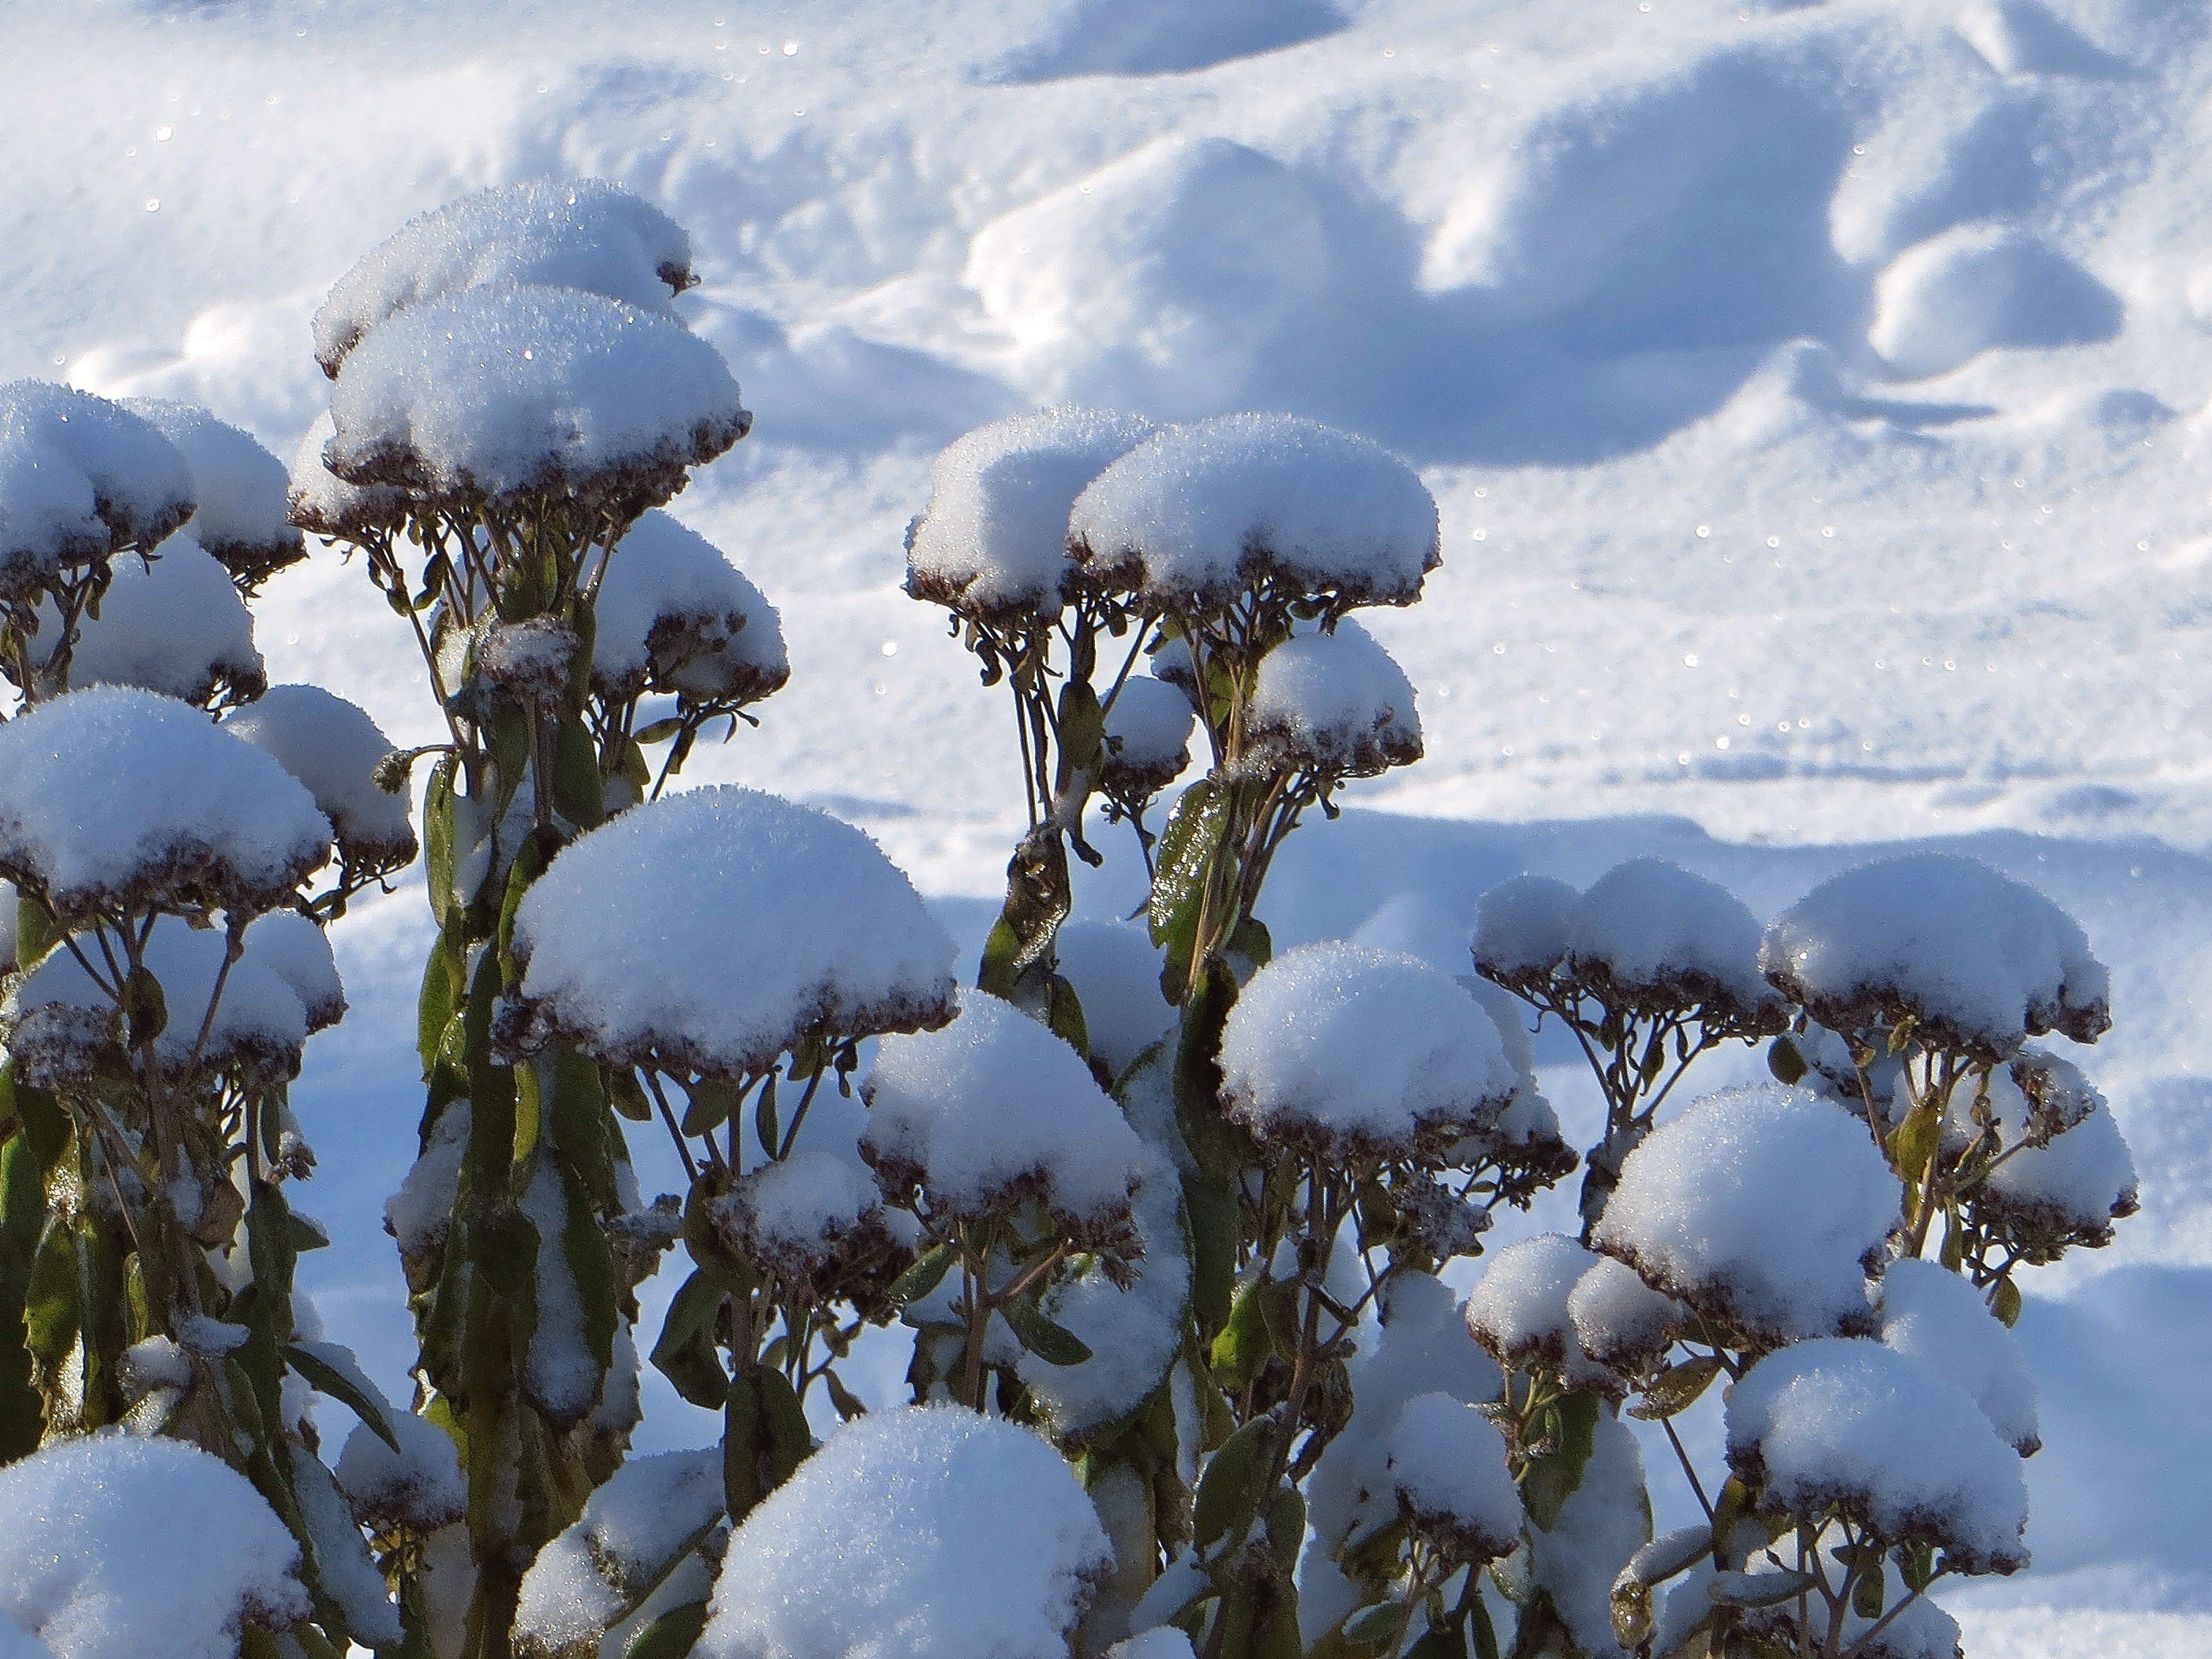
(1815, 394)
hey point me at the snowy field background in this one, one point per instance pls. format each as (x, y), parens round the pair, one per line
(1815, 395)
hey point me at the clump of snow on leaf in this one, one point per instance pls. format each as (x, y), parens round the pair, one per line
(1360, 1050)
(710, 931)
(173, 623)
(119, 797)
(1192, 516)
(993, 1109)
(80, 478)
(492, 393)
(1763, 1206)
(673, 614)
(633, 1527)
(921, 1533)
(1604, 1521)
(1906, 1453)
(1935, 1316)
(993, 542)
(1334, 702)
(418, 1486)
(585, 234)
(244, 518)
(1116, 970)
(334, 748)
(1980, 961)
(1447, 1464)
(115, 1545)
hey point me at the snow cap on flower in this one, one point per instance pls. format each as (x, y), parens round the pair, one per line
(243, 520)
(1447, 1465)
(673, 615)
(1974, 959)
(590, 234)
(1350, 1051)
(1333, 702)
(1766, 1208)
(81, 479)
(115, 796)
(1148, 728)
(1197, 514)
(992, 545)
(711, 931)
(334, 749)
(171, 622)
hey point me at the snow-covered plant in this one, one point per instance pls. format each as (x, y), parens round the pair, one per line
(168, 878)
(1783, 1240)
(513, 395)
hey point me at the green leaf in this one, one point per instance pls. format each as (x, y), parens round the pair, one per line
(1054, 1344)
(325, 1378)
(709, 1106)
(1187, 850)
(1785, 1060)
(1870, 1592)
(438, 849)
(686, 1353)
(578, 792)
(2005, 1301)
(51, 1314)
(1552, 1479)
(1379, 1627)
(1676, 1388)
(1245, 1342)
(145, 1009)
(672, 1636)
(925, 1276)
(660, 731)
(790, 1442)
(1230, 1489)
(1912, 1143)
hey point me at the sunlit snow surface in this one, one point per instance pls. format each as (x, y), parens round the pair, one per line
(1813, 394)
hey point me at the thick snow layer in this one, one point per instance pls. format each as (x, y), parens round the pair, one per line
(495, 393)
(1654, 935)
(79, 477)
(317, 500)
(418, 1486)
(1602, 1523)
(1518, 1309)
(243, 517)
(1949, 299)
(1148, 727)
(1334, 703)
(1163, 1641)
(1523, 926)
(1190, 517)
(172, 625)
(1982, 960)
(1936, 1317)
(993, 1109)
(1361, 1050)
(2073, 1188)
(583, 1582)
(585, 234)
(711, 930)
(993, 542)
(1907, 1452)
(1621, 1322)
(1447, 1463)
(347, 1571)
(674, 615)
(1116, 970)
(332, 747)
(114, 1544)
(120, 797)
(916, 1532)
(1765, 1207)
(795, 1215)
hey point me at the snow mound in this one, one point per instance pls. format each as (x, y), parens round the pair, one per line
(173, 623)
(674, 616)
(1938, 1318)
(319, 501)
(1157, 37)
(710, 932)
(1192, 517)
(1116, 970)
(244, 518)
(589, 234)
(585, 1581)
(1905, 1452)
(1336, 702)
(118, 797)
(993, 542)
(493, 393)
(1447, 1464)
(996, 1109)
(1518, 1309)
(918, 1533)
(1163, 1641)
(1521, 929)
(1979, 962)
(1977, 287)
(1604, 1523)
(419, 1487)
(333, 748)
(1766, 1208)
(298, 951)
(2052, 1191)
(799, 1214)
(57, 1018)
(114, 1544)
(1148, 727)
(1361, 1052)
(80, 478)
